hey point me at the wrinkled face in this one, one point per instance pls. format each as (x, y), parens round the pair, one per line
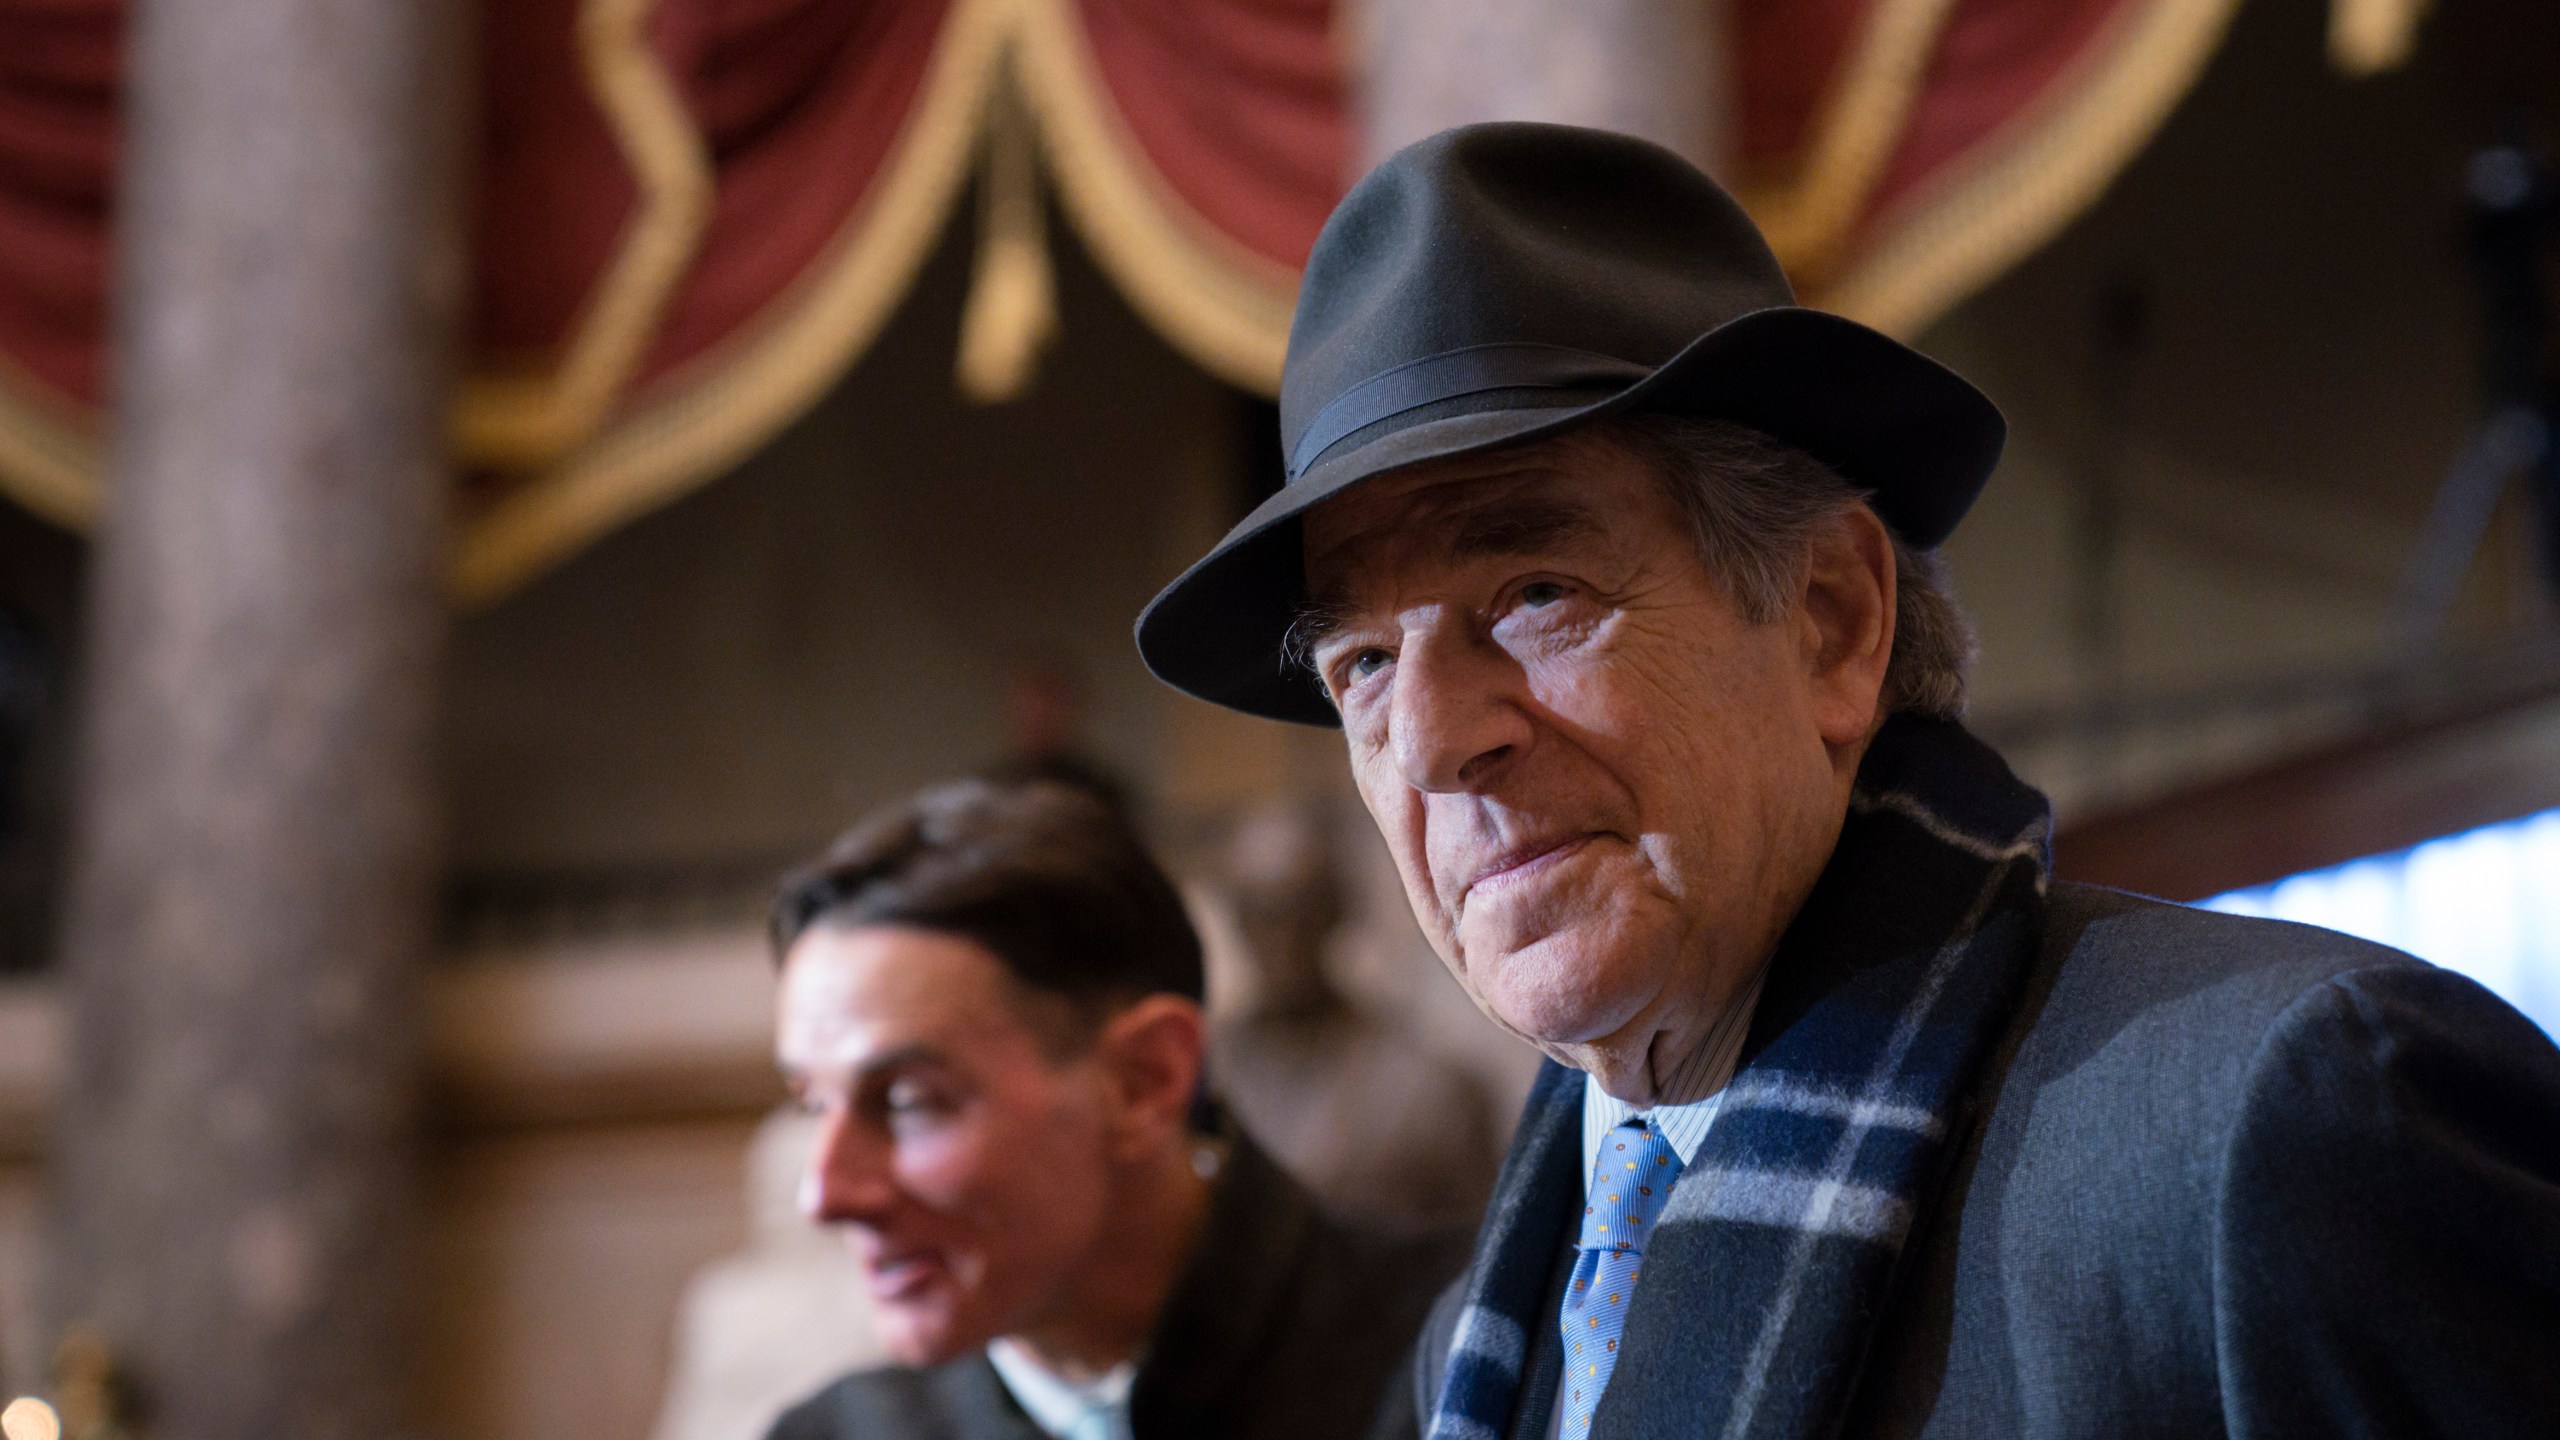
(970, 1167)
(1607, 791)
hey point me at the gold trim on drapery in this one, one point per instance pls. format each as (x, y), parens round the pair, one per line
(2367, 37)
(1218, 302)
(521, 421)
(1809, 216)
(2050, 163)
(726, 403)
(1011, 314)
(1221, 304)
(49, 459)
(578, 465)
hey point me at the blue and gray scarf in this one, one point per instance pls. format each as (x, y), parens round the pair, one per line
(1773, 1260)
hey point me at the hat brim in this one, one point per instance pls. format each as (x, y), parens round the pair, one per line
(1890, 420)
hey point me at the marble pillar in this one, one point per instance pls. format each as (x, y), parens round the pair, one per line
(250, 903)
(1646, 67)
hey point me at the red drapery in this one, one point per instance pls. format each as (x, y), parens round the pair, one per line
(693, 214)
(1238, 106)
(60, 66)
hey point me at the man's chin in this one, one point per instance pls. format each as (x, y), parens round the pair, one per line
(1556, 996)
(926, 1334)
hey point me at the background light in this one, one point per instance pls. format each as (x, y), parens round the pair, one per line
(28, 1418)
(2485, 902)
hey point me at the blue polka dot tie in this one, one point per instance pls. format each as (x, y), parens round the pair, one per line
(1629, 1184)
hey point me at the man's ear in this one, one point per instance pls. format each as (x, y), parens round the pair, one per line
(1151, 1056)
(1848, 622)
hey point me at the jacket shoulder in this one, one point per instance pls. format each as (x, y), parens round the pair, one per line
(2157, 949)
(2184, 1095)
(960, 1400)
(2411, 1120)
(2186, 995)
(2143, 1021)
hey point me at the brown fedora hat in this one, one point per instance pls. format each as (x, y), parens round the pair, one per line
(1499, 283)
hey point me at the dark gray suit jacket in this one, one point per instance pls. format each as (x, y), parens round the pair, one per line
(1287, 1323)
(2225, 1177)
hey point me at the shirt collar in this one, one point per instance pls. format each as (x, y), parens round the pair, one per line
(1054, 1402)
(1704, 1075)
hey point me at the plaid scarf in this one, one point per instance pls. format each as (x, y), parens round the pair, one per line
(1774, 1257)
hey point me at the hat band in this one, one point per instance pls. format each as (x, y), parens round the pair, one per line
(1510, 365)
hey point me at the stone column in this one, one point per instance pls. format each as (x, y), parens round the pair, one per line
(249, 908)
(1646, 67)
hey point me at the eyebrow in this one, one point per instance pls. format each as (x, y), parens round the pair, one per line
(916, 1054)
(1315, 620)
(903, 1057)
(1519, 527)
(1502, 528)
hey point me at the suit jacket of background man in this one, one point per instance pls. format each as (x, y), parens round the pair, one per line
(2223, 1177)
(1286, 1323)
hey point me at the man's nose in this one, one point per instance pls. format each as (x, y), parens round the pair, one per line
(1457, 720)
(847, 1181)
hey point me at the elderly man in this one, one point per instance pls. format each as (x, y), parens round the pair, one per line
(1616, 570)
(991, 999)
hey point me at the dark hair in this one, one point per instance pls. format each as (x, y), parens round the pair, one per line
(1053, 882)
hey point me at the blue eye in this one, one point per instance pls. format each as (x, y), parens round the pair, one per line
(1538, 594)
(1369, 662)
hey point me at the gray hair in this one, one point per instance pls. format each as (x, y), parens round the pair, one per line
(1755, 503)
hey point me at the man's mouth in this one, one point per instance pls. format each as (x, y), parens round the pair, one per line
(895, 1275)
(1521, 865)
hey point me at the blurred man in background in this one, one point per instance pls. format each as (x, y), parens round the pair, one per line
(992, 997)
